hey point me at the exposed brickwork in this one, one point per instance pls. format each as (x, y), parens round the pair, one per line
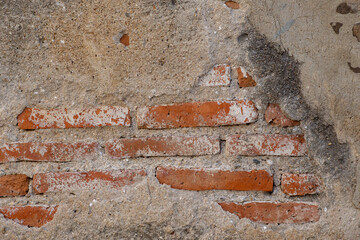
(275, 116)
(72, 181)
(33, 118)
(54, 152)
(197, 114)
(260, 145)
(233, 5)
(14, 185)
(218, 76)
(163, 146)
(244, 79)
(31, 216)
(300, 184)
(269, 212)
(198, 180)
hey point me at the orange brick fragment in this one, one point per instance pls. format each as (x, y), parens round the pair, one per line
(31, 216)
(125, 39)
(14, 185)
(269, 212)
(245, 80)
(197, 114)
(162, 146)
(275, 116)
(267, 144)
(199, 180)
(53, 152)
(33, 118)
(232, 4)
(72, 181)
(218, 76)
(300, 184)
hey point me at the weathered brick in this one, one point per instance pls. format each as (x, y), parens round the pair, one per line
(275, 116)
(232, 4)
(269, 212)
(198, 180)
(14, 185)
(31, 216)
(72, 181)
(197, 114)
(33, 118)
(54, 152)
(268, 144)
(219, 75)
(162, 146)
(300, 184)
(244, 79)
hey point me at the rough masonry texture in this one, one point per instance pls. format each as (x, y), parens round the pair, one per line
(179, 119)
(53, 152)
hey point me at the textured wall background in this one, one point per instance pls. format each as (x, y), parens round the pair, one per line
(68, 54)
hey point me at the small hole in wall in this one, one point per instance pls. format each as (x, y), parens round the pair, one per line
(243, 37)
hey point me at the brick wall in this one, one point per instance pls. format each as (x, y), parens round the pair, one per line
(273, 135)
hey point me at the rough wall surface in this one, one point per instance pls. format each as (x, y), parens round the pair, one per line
(140, 152)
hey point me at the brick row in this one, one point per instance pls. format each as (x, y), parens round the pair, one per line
(162, 146)
(266, 144)
(33, 118)
(300, 184)
(197, 114)
(31, 216)
(247, 145)
(54, 152)
(272, 212)
(14, 185)
(199, 180)
(73, 181)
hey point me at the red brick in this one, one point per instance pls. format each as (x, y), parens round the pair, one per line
(14, 185)
(54, 152)
(162, 146)
(197, 114)
(72, 181)
(33, 118)
(261, 145)
(198, 180)
(275, 116)
(300, 184)
(244, 79)
(31, 216)
(269, 212)
(125, 39)
(233, 5)
(218, 76)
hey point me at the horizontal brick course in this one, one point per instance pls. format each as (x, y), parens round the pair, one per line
(162, 146)
(31, 216)
(198, 180)
(275, 116)
(300, 184)
(14, 185)
(33, 118)
(197, 114)
(269, 212)
(54, 152)
(72, 181)
(267, 144)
